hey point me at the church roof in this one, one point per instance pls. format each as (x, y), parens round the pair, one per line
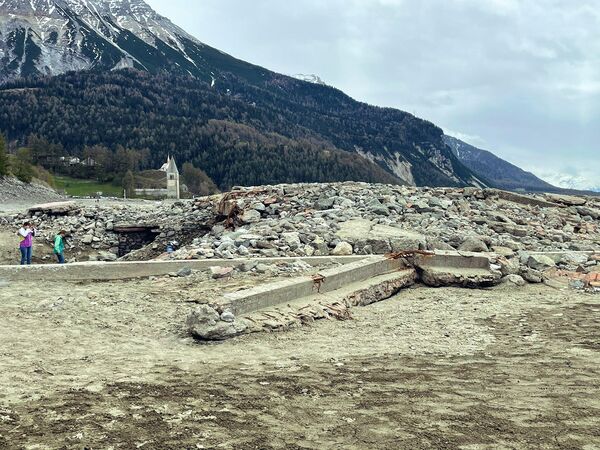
(171, 166)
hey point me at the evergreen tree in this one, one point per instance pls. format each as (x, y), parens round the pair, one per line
(197, 181)
(23, 169)
(3, 157)
(129, 184)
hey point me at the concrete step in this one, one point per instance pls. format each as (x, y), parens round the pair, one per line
(336, 304)
(272, 294)
(371, 279)
(464, 269)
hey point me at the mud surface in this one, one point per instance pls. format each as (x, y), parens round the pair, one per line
(108, 365)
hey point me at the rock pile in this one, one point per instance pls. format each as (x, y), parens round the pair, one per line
(104, 232)
(351, 218)
(15, 191)
(320, 219)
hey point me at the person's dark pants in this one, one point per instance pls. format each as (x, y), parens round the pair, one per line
(25, 255)
(61, 258)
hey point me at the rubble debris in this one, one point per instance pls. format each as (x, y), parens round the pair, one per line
(300, 220)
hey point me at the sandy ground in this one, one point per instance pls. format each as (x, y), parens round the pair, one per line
(108, 365)
(10, 254)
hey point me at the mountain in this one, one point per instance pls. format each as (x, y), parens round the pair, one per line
(42, 41)
(501, 173)
(309, 78)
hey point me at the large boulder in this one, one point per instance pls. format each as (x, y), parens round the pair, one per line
(568, 200)
(206, 324)
(380, 239)
(292, 239)
(473, 244)
(342, 249)
(515, 280)
(573, 258)
(591, 212)
(250, 216)
(540, 262)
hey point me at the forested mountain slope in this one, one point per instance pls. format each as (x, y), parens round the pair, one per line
(272, 127)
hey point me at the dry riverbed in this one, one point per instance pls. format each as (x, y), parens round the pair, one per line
(108, 365)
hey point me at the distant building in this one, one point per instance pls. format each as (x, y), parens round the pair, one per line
(70, 160)
(172, 179)
(172, 182)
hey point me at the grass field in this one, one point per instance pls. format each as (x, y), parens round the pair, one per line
(84, 188)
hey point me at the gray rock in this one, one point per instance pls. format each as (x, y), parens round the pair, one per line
(258, 207)
(473, 244)
(532, 276)
(292, 240)
(509, 266)
(589, 212)
(263, 268)
(514, 279)
(221, 272)
(568, 200)
(204, 323)
(376, 207)
(325, 203)
(574, 259)
(227, 316)
(250, 216)
(107, 256)
(248, 266)
(540, 262)
(381, 238)
(437, 244)
(342, 249)
(185, 272)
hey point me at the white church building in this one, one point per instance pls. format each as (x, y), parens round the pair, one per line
(172, 189)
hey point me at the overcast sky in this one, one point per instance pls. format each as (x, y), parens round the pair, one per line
(518, 77)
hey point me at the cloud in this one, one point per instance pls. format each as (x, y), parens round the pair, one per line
(521, 75)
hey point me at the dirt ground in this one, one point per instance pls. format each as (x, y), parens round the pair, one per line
(9, 249)
(108, 366)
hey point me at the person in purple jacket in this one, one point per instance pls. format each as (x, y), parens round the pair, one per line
(26, 233)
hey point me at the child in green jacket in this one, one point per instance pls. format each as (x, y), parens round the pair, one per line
(59, 246)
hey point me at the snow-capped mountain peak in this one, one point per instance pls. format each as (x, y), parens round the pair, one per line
(309, 78)
(54, 36)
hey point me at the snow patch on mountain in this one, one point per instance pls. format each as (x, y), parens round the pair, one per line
(310, 78)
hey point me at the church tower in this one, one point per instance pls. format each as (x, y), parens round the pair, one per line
(172, 179)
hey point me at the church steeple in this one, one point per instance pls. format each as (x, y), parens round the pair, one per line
(172, 166)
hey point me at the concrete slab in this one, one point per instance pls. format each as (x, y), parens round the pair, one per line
(465, 269)
(272, 294)
(456, 259)
(337, 303)
(103, 271)
(277, 309)
(56, 208)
